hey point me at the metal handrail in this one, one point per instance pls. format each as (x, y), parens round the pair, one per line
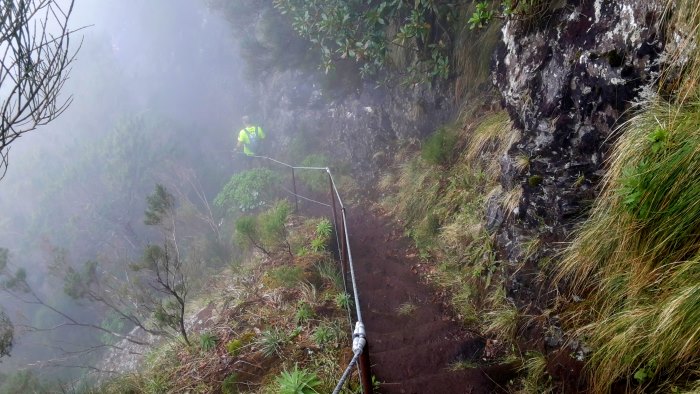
(359, 345)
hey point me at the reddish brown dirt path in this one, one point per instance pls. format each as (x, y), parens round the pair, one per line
(409, 353)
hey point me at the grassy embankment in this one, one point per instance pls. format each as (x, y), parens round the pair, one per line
(439, 193)
(280, 325)
(636, 261)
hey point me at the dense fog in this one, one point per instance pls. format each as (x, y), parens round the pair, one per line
(157, 96)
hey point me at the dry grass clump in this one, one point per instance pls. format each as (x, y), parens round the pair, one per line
(637, 259)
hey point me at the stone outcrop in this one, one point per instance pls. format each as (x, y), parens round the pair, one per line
(567, 79)
(359, 125)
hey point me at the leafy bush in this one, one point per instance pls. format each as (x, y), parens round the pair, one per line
(358, 31)
(298, 381)
(438, 148)
(248, 190)
(525, 11)
(267, 231)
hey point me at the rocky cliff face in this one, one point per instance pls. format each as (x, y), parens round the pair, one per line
(566, 77)
(567, 80)
(359, 125)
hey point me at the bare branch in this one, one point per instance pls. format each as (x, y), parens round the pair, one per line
(35, 60)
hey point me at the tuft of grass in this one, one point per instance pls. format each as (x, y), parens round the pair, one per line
(438, 148)
(304, 313)
(502, 319)
(328, 270)
(207, 341)
(297, 381)
(229, 384)
(536, 380)
(308, 294)
(636, 261)
(462, 365)
(324, 229)
(272, 341)
(406, 309)
(327, 333)
(343, 301)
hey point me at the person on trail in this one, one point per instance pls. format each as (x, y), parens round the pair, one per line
(250, 137)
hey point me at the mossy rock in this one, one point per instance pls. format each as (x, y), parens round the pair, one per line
(535, 180)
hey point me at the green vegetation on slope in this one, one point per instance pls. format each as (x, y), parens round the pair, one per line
(275, 332)
(440, 194)
(636, 261)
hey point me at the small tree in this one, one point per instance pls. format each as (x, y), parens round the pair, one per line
(266, 232)
(165, 263)
(166, 276)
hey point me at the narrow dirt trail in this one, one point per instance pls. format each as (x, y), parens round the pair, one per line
(411, 348)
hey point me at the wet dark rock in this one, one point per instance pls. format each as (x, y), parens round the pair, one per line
(566, 83)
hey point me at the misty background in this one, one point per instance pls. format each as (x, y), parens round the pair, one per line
(157, 98)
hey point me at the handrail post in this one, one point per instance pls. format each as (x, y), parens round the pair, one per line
(294, 187)
(365, 371)
(332, 196)
(344, 245)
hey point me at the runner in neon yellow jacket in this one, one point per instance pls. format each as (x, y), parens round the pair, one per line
(250, 137)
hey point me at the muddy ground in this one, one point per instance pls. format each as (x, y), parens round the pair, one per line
(414, 342)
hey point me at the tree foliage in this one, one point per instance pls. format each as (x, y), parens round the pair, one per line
(367, 32)
(161, 205)
(247, 191)
(7, 333)
(36, 59)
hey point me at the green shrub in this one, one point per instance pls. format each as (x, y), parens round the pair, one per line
(248, 190)
(326, 333)
(438, 148)
(358, 31)
(298, 381)
(316, 180)
(207, 341)
(228, 385)
(267, 231)
(272, 225)
(285, 276)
